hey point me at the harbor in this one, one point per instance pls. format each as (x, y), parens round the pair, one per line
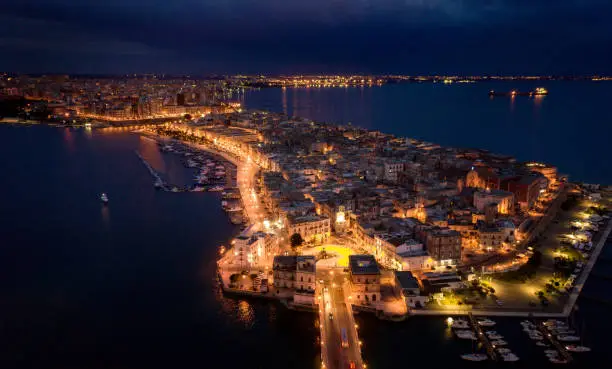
(211, 173)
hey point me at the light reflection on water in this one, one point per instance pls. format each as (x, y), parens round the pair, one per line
(245, 313)
(105, 215)
(150, 151)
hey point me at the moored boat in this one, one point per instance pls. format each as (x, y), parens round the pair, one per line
(104, 198)
(575, 348)
(510, 357)
(564, 338)
(474, 357)
(486, 322)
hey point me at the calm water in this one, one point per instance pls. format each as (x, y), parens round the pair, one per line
(132, 285)
(126, 286)
(569, 128)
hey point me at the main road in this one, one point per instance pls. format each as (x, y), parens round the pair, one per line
(340, 345)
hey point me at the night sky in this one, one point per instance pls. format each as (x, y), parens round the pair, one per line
(307, 36)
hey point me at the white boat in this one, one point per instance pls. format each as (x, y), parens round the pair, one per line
(499, 343)
(474, 357)
(541, 344)
(503, 350)
(466, 335)
(104, 198)
(510, 357)
(174, 189)
(551, 352)
(495, 336)
(197, 189)
(564, 338)
(574, 348)
(216, 189)
(486, 322)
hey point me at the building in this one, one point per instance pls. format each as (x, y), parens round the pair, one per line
(312, 228)
(365, 279)
(284, 271)
(527, 189)
(490, 237)
(503, 199)
(393, 170)
(254, 250)
(296, 273)
(444, 246)
(411, 289)
(305, 281)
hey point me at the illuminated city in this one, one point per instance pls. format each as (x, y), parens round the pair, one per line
(305, 185)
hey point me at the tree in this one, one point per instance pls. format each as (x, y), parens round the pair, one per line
(296, 240)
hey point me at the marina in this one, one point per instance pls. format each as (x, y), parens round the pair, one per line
(212, 174)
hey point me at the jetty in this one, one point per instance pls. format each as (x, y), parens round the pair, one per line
(482, 337)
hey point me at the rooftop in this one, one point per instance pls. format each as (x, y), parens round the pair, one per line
(363, 264)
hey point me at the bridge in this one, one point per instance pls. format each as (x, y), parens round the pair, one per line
(340, 345)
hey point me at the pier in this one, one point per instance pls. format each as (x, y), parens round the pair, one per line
(482, 337)
(553, 340)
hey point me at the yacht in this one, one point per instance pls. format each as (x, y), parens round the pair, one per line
(503, 350)
(104, 198)
(474, 357)
(499, 343)
(216, 188)
(486, 322)
(495, 336)
(564, 338)
(574, 348)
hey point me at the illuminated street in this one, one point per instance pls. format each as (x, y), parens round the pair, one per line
(335, 315)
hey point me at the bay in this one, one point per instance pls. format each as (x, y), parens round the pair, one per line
(570, 128)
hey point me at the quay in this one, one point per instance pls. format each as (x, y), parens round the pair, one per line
(482, 337)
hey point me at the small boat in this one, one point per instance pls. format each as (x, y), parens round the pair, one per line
(551, 352)
(564, 338)
(486, 322)
(541, 344)
(104, 198)
(474, 357)
(503, 350)
(216, 189)
(510, 357)
(466, 335)
(574, 348)
(499, 343)
(495, 336)
(197, 189)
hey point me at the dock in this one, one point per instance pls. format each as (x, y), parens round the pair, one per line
(483, 338)
(553, 340)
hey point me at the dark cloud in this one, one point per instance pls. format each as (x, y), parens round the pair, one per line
(373, 36)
